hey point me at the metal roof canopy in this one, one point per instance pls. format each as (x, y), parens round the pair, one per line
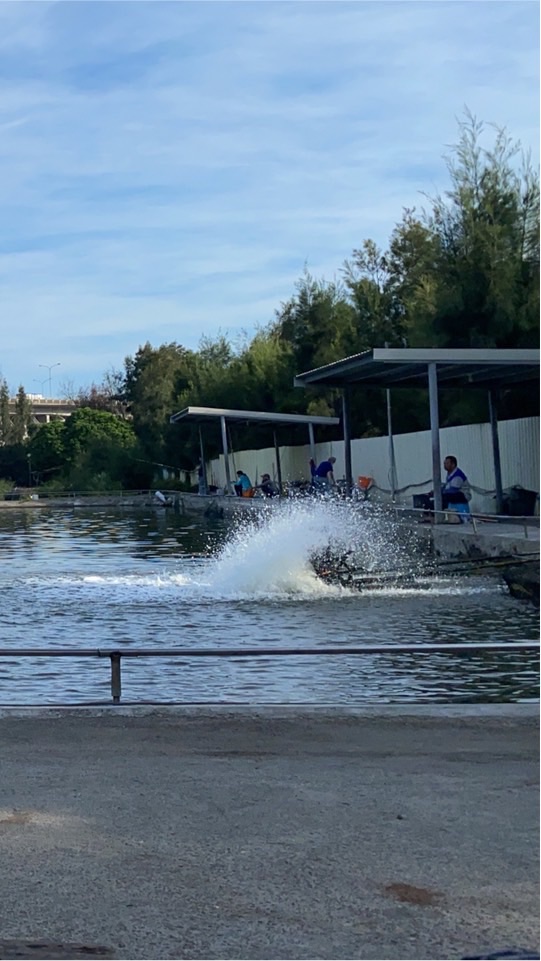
(200, 415)
(388, 367)
(408, 367)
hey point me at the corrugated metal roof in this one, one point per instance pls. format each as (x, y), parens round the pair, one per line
(408, 367)
(200, 414)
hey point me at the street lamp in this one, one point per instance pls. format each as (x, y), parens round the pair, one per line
(29, 459)
(49, 367)
(40, 382)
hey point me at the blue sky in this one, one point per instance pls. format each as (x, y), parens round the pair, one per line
(167, 168)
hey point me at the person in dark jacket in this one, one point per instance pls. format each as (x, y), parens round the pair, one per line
(267, 486)
(323, 475)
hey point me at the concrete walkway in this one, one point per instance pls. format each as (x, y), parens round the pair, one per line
(225, 833)
(486, 538)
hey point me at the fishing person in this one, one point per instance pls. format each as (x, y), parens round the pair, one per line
(243, 487)
(323, 475)
(267, 486)
(456, 489)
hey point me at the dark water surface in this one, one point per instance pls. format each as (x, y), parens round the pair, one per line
(88, 579)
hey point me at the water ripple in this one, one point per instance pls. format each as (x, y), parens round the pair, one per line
(106, 579)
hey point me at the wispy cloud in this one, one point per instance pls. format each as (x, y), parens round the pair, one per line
(166, 169)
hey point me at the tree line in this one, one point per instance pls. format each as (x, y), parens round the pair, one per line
(462, 271)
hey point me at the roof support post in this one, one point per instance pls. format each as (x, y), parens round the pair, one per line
(347, 441)
(392, 461)
(203, 486)
(278, 463)
(435, 433)
(493, 412)
(312, 441)
(226, 454)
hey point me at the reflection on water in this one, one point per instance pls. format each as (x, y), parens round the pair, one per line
(89, 579)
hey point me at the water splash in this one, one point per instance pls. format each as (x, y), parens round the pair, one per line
(270, 553)
(267, 557)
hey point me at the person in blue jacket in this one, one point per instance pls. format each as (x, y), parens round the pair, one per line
(243, 487)
(323, 475)
(456, 489)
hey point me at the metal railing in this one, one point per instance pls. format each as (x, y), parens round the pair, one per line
(115, 656)
(61, 498)
(524, 522)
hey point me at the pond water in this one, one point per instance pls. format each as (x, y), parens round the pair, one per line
(102, 578)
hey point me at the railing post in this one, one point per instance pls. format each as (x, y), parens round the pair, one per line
(116, 677)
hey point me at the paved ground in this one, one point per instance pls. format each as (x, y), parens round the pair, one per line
(203, 833)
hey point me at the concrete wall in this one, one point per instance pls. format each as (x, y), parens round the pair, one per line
(471, 444)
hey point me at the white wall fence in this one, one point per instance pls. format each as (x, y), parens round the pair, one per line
(470, 444)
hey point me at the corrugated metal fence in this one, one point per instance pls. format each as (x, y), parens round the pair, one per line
(471, 445)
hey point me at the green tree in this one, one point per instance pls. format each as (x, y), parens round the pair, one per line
(379, 310)
(99, 450)
(156, 379)
(86, 427)
(6, 432)
(22, 417)
(317, 323)
(14, 464)
(411, 264)
(211, 380)
(47, 448)
(487, 231)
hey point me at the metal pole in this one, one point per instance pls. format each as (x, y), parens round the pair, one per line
(312, 441)
(116, 677)
(493, 412)
(204, 486)
(50, 367)
(226, 455)
(435, 432)
(347, 441)
(367, 647)
(278, 463)
(392, 462)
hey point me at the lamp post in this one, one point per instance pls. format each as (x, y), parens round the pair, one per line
(29, 459)
(40, 382)
(49, 367)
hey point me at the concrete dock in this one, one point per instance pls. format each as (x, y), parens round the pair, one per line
(388, 832)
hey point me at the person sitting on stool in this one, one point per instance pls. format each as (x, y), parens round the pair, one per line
(267, 486)
(243, 487)
(455, 490)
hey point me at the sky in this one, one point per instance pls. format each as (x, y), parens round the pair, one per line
(167, 169)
